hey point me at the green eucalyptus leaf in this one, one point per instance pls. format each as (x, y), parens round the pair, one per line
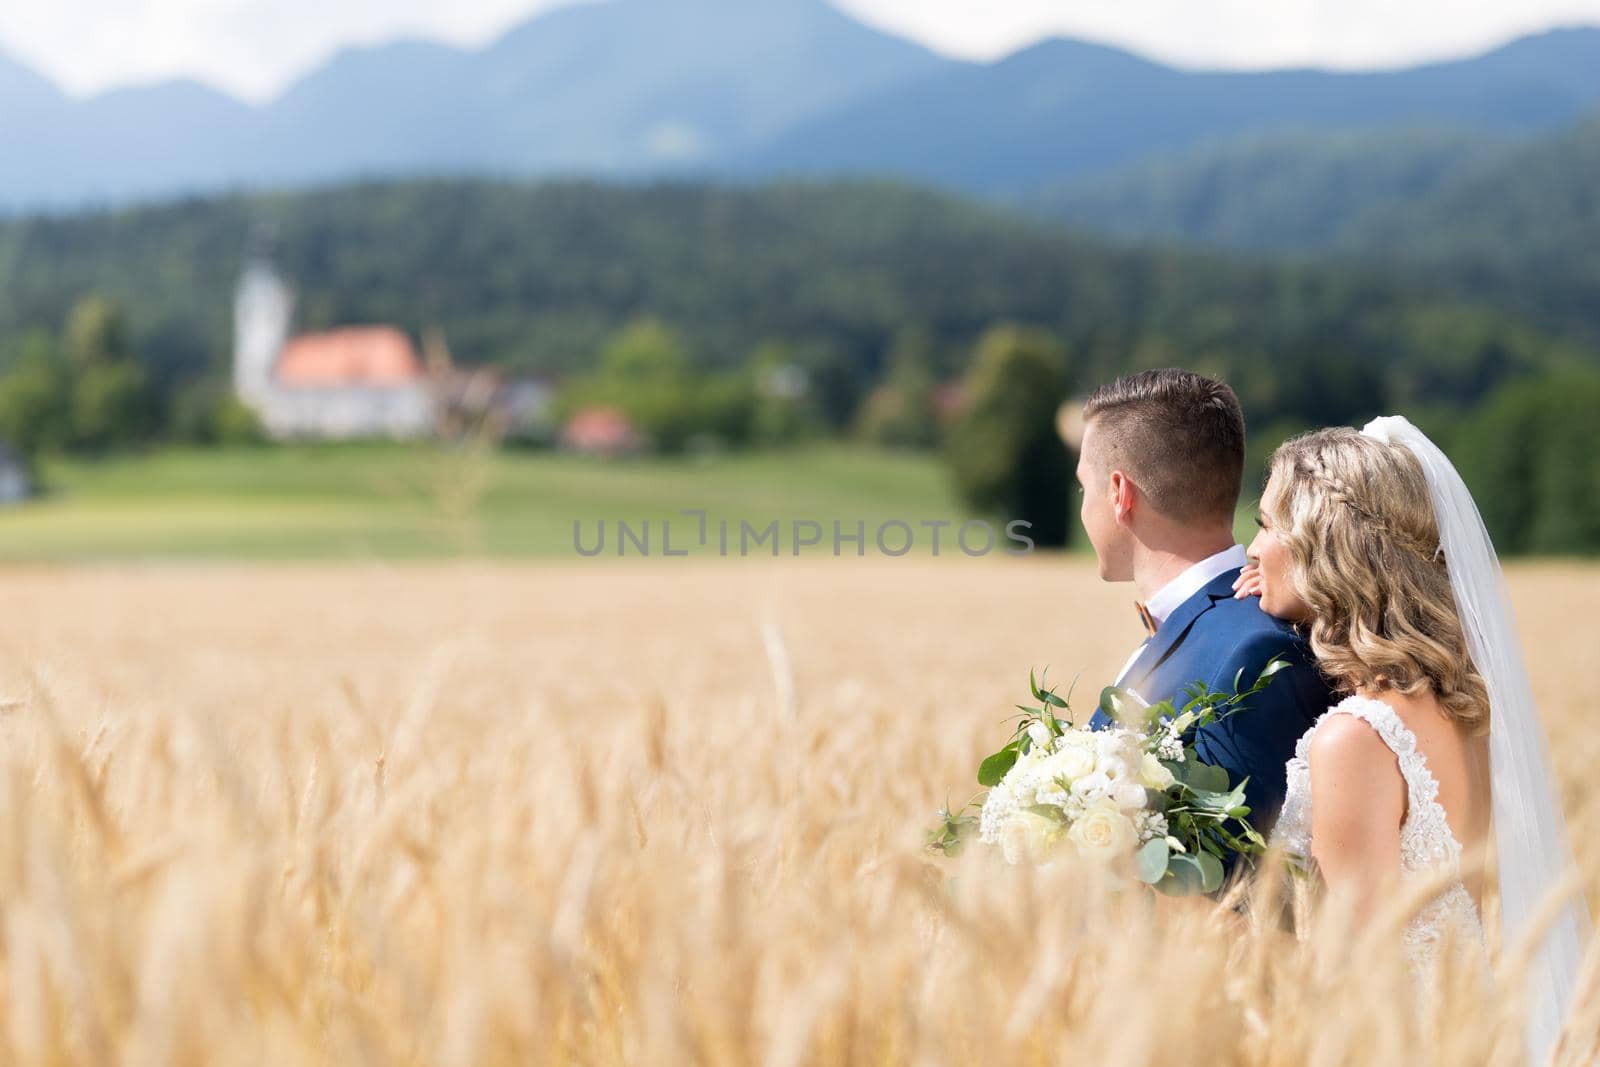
(1210, 872)
(1151, 861)
(1185, 877)
(993, 769)
(1207, 777)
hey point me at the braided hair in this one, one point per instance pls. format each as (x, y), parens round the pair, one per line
(1355, 515)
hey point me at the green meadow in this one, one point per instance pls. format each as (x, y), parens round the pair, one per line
(421, 501)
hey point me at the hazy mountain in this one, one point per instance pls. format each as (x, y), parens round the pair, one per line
(622, 87)
(1062, 109)
(22, 90)
(731, 88)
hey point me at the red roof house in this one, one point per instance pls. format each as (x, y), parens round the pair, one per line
(602, 431)
(352, 355)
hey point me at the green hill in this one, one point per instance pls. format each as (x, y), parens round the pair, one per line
(1287, 191)
(536, 277)
(1513, 222)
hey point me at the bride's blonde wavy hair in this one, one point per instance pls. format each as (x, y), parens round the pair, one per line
(1356, 518)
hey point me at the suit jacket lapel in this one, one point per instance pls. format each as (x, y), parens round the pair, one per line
(1177, 626)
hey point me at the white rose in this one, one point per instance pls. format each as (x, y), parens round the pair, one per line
(1129, 795)
(1114, 768)
(1077, 738)
(1103, 832)
(1071, 763)
(1110, 744)
(1023, 767)
(1031, 836)
(1092, 786)
(1152, 774)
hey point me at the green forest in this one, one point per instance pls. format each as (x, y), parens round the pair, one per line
(1512, 220)
(673, 300)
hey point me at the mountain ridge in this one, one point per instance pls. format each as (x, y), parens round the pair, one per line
(723, 89)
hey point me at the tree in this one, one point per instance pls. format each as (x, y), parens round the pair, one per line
(1003, 452)
(34, 399)
(900, 412)
(1531, 456)
(233, 422)
(110, 406)
(110, 403)
(96, 335)
(207, 413)
(645, 371)
(783, 396)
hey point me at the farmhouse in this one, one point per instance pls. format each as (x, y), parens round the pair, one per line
(358, 381)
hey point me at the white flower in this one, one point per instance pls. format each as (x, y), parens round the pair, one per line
(1079, 737)
(1039, 734)
(1092, 787)
(1129, 795)
(1153, 775)
(1170, 747)
(1150, 825)
(1113, 768)
(1031, 836)
(1103, 832)
(1110, 744)
(1071, 763)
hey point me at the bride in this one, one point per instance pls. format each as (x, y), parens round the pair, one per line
(1371, 541)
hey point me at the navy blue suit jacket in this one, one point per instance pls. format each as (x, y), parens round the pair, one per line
(1208, 639)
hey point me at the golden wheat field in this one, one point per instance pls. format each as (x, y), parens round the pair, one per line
(654, 812)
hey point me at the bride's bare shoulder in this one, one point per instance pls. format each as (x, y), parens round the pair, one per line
(1348, 742)
(1356, 781)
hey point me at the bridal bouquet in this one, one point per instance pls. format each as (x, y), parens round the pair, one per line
(1131, 794)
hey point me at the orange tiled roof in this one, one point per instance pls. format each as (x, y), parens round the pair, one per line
(598, 429)
(353, 355)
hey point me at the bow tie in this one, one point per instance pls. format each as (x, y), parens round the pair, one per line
(1147, 620)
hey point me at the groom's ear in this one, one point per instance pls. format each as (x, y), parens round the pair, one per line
(1120, 493)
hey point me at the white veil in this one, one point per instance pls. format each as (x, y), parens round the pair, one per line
(1530, 832)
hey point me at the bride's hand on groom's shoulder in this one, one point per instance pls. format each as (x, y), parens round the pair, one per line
(1248, 583)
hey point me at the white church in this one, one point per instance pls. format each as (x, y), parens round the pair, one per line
(352, 382)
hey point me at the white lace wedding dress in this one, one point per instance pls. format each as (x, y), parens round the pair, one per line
(1428, 847)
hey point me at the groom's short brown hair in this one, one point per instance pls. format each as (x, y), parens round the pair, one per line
(1178, 435)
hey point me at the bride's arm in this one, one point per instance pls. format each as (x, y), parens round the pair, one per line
(1358, 802)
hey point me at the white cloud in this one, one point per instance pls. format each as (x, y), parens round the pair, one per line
(1232, 33)
(254, 47)
(251, 48)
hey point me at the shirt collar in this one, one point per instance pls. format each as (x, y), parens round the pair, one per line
(1191, 581)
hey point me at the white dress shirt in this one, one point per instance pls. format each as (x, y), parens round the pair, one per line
(1169, 597)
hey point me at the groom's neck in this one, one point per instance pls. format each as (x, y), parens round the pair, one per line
(1155, 563)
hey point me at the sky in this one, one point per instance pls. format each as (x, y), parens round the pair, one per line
(253, 48)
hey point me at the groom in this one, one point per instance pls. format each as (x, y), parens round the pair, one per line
(1160, 466)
